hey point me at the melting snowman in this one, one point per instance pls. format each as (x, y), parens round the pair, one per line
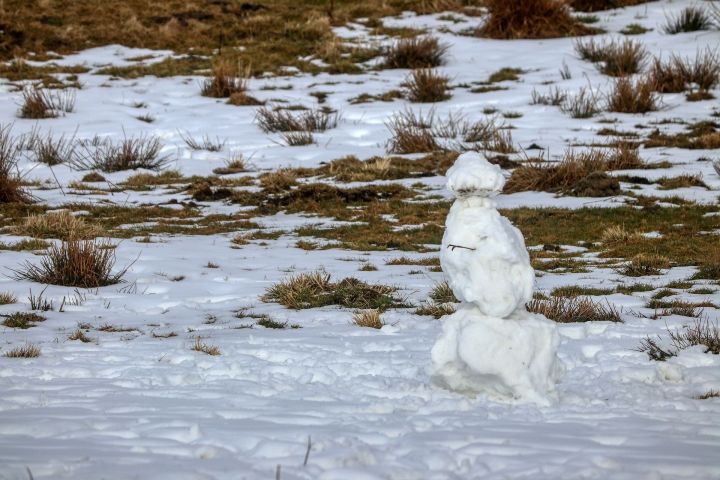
(491, 344)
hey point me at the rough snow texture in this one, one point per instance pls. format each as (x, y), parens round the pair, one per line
(502, 357)
(472, 175)
(485, 258)
(492, 344)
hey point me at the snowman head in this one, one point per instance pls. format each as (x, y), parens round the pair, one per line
(473, 176)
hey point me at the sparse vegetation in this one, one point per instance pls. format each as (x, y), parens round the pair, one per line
(200, 346)
(282, 120)
(11, 189)
(26, 351)
(427, 86)
(537, 19)
(690, 19)
(583, 104)
(416, 52)
(574, 309)
(59, 224)
(39, 103)
(130, 153)
(629, 96)
(74, 263)
(700, 332)
(315, 289)
(618, 58)
(645, 264)
(22, 320)
(368, 318)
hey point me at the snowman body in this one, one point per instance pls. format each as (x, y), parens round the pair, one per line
(491, 344)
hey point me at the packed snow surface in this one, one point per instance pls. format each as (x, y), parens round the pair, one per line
(137, 403)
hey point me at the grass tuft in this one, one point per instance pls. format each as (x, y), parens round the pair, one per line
(510, 19)
(282, 120)
(200, 346)
(368, 318)
(26, 351)
(644, 264)
(427, 86)
(416, 52)
(574, 309)
(22, 320)
(75, 263)
(39, 103)
(130, 153)
(690, 19)
(618, 58)
(62, 225)
(629, 96)
(11, 190)
(700, 332)
(315, 289)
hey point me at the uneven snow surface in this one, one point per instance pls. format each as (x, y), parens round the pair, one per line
(140, 404)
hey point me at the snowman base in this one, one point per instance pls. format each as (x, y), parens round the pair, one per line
(510, 358)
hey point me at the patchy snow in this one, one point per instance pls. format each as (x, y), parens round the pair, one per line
(136, 402)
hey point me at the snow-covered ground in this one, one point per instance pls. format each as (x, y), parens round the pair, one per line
(139, 403)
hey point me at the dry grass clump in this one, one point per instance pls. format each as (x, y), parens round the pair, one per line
(411, 133)
(555, 97)
(700, 332)
(7, 298)
(690, 19)
(26, 351)
(224, 82)
(597, 5)
(62, 225)
(681, 181)
(442, 293)
(11, 189)
(416, 52)
(236, 164)
(38, 103)
(315, 289)
(283, 120)
(574, 309)
(435, 310)
(617, 234)
(678, 74)
(200, 346)
(205, 143)
(297, 139)
(628, 96)
(22, 320)
(578, 173)
(78, 334)
(530, 19)
(130, 153)
(426, 85)
(75, 263)
(645, 264)
(584, 104)
(617, 57)
(54, 151)
(278, 181)
(368, 318)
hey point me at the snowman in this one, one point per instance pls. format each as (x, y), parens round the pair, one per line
(491, 344)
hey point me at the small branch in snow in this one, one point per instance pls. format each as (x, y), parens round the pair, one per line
(453, 247)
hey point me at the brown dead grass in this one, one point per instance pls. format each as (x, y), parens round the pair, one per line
(530, 19)
(368, 319)
(426, 86)
(579, 173)
(26, 351)
(574, 309)
(62, 225)
(416, 52)
(628, 96)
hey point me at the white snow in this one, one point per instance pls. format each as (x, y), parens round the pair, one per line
(140, 404)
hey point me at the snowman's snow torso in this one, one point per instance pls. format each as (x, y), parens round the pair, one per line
(485, 258)
(491, 344)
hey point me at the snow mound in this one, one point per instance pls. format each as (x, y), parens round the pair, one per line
(485, 258)
(472, 175)
(502, 357)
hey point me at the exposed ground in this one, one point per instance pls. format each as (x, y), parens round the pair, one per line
(276, 288)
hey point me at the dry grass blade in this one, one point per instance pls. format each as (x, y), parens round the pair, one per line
(200, 346)
(574, 309)
(416, 52)
(75, 263)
